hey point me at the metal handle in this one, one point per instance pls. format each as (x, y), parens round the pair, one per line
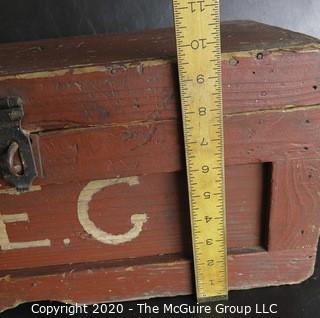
(15, 145)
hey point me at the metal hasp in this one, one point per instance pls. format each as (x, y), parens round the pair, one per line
(17, 164)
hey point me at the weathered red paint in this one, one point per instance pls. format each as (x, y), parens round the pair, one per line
(163, 197)
(107, 107)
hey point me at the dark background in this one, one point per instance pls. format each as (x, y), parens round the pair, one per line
(22, 20)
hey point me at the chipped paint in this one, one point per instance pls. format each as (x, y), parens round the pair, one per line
(91, 68)
(84, 69)
(12, 191)
(6, 278)
(286, 109)
(66, 241)
(34, 75)
(86, 197)
(310, 48)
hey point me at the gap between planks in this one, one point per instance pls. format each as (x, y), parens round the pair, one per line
(285, 109)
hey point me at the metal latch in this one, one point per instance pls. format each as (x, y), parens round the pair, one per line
(17, 164)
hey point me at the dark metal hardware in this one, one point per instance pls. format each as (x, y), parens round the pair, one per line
(17, 164)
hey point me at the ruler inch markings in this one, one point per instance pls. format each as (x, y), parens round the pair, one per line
(199, 61)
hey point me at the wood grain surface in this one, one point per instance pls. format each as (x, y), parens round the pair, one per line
(145, 90)
(162, 197)
(108, 217)
(164, 276)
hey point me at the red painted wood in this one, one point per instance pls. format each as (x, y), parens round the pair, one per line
(297, 226)
(166, 277)
(69, 94)
(273, 136)
(162, 197)
(115, 94)
(121, 93)
(43, 55)
(107, 107)
(108, 152)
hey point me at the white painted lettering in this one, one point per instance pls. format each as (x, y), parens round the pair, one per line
(85, 198)
(5, 243)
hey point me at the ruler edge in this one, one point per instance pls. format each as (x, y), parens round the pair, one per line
(201, 300)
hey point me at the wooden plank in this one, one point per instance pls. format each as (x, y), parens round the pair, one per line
(169, 277)
(148, 90)
(294, 217)
(77, 82)
(109, 152)
(44, 55)
(272, 136)
(54, 214)
(157, 147)
(103, 95)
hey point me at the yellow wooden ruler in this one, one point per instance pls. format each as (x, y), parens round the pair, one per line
(199, 60)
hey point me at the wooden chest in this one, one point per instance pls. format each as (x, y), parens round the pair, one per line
(107, 219)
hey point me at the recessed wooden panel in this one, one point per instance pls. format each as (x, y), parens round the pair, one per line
(54, 215)
(247, 204)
